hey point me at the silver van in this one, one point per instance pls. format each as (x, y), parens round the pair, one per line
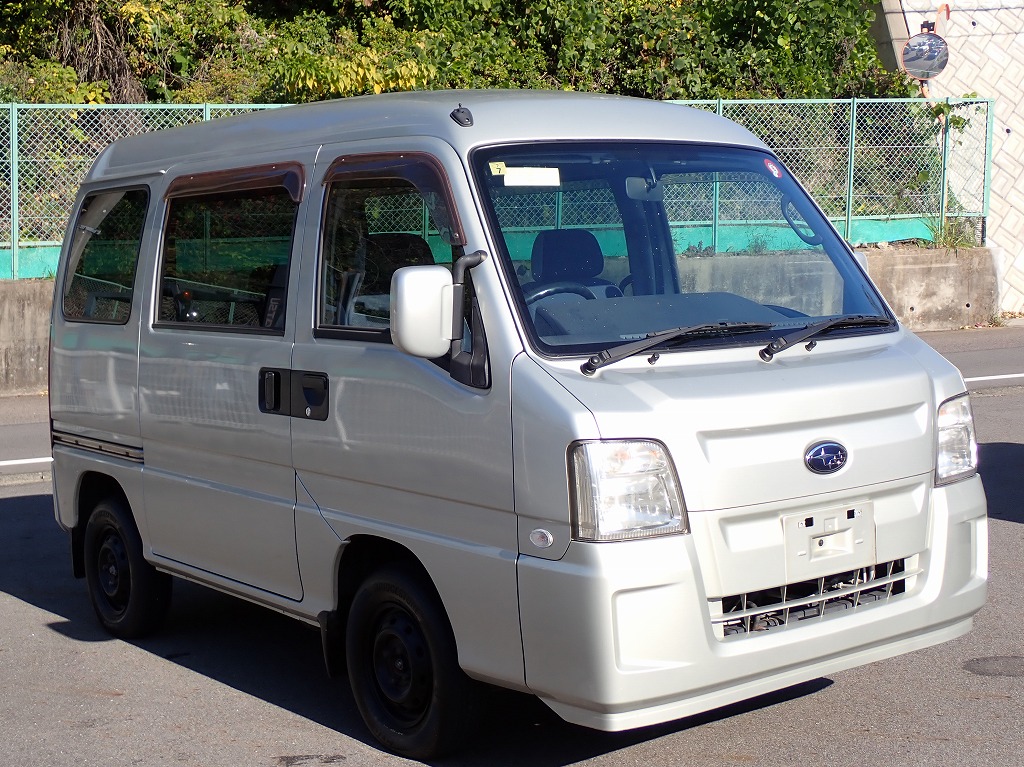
(575, 395)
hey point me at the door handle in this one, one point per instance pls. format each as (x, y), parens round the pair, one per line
(271, 389)
(274, 390)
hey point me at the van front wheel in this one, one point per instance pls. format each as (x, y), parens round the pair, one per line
(403, 666)
(129, 596)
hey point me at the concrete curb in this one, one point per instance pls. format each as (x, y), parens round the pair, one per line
(25, 478)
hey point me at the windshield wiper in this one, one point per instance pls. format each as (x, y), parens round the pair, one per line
(816, 328)
(681, 335)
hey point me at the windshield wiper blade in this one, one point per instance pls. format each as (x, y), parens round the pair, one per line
(683, 334)
(816, 328)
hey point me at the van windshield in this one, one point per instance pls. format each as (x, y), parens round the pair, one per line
(608, 243)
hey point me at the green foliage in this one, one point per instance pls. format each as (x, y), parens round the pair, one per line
(337, 63)
(27, 25)
(46, 82)
(233, 50)
(947, 119)
(196, 50)
(952, 233)
(757, 49)
(655, 48)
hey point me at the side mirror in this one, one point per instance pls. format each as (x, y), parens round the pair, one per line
(422, 303)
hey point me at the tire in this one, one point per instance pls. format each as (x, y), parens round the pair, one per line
(403, 666)
(129, 596)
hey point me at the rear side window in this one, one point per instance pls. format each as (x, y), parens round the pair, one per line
(226, 252)
(103, 254)
(381, 213)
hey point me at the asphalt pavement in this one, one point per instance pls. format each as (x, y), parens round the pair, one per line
(24, 439)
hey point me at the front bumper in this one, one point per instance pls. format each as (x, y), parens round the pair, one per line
(619, 635)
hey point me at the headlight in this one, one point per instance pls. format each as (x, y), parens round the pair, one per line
(957, 453)
(623, 490)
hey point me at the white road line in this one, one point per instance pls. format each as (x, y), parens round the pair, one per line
(25, 461)
(993, 378)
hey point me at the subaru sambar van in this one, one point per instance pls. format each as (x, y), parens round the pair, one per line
(576, 395)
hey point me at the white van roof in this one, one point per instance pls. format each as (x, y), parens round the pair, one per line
(498, 116)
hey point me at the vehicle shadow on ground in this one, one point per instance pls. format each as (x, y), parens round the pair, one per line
(279, 660)
(1000, 464)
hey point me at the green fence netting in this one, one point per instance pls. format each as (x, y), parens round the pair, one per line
(883, 170)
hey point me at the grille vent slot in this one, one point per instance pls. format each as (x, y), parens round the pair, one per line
(793, 604)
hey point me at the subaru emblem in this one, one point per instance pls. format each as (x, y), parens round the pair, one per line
(825, 457)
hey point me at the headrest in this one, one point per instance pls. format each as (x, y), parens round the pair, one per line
(566, 254)
(387, 252)
(400, 249)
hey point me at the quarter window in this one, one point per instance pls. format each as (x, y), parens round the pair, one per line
(104, 253)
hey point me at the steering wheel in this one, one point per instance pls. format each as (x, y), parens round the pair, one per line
(543, 290)
(626, 282)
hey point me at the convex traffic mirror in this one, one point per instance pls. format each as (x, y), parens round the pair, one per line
(925, 55)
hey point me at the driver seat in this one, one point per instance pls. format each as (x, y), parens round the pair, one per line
(570, 255)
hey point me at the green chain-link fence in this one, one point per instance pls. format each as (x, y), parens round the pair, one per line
(879, 167)
(883, 170)
(8, 232)
(47, 152)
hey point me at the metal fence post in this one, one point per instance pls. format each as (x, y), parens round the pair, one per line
(15, 224)
(945, 167)
(715, 199)
(990, 113)
(715, 210)
(850, 166)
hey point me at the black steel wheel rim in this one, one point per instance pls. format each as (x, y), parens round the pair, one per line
(114, 571)
(402, 669)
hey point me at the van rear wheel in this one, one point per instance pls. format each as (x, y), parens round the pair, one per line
(403, 666)
(130, 597)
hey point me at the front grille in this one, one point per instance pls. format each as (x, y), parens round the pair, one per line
(787, 606)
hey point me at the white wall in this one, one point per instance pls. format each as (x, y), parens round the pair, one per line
(986, 57)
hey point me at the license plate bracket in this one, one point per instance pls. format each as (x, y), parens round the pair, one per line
(827, 541)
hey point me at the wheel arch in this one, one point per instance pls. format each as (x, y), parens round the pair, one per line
(93, 487)
(361, 556)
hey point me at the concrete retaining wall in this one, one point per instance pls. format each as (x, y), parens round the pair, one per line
(937, 289)
(928, 290)
(24, 334)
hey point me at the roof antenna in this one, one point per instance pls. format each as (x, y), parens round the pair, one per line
(462, 116)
